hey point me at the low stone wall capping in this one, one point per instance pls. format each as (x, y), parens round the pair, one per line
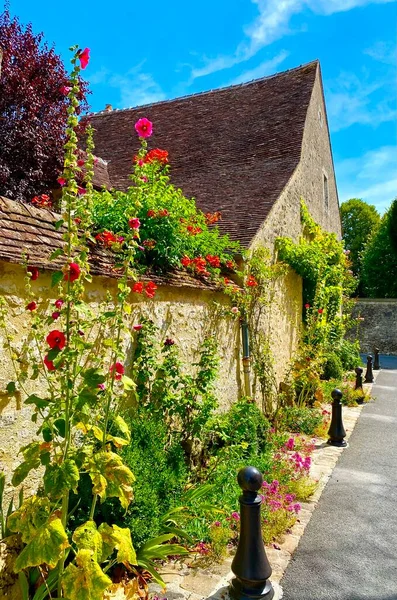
(379, 327)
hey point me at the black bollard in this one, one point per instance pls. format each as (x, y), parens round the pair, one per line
(376, 359)
(359, 378)
(250, 564)
(369, 376)
(336, 430)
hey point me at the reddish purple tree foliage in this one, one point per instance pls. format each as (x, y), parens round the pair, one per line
(33, 112)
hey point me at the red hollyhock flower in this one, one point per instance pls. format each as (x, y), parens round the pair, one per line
(320, 311)
(34, 273)
(80, 162)
(84, 58)
(134, 223)
(58, 303)
(61, 181)
(150, 289)
(144, 128)
(213, 260)
(56, 339)
(307, 306)
(49, 364)
(160, 156)
(73, 272)
(151, 213)
(251, 281)
(31, 306)
(138, 287)
(186, 261)
(137, 327)
(55, 315)
(118, 369)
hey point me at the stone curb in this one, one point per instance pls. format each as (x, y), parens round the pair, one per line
(212, 584)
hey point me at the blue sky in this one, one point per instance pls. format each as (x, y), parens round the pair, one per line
(144, 52)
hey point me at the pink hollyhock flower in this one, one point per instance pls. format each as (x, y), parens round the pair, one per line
(144, 128)
(137, 327)
(217, 523)
(31, 306)
(101, 386)
(81, 191)
(235, 516)
(65, 89)
(61, 181)
(235, 310)
(84, 58)
(134, 223)
(55, 315)
(58, 303)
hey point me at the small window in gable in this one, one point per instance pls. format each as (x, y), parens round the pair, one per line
(326, 192)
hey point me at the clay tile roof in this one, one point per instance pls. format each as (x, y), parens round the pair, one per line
(233, 149)
(26, 228)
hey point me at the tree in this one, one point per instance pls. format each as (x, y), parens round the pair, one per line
(359, 220)
(379, 259)
(33, 111)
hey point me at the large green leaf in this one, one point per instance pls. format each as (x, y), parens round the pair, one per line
(123, 426)
(23, 470)
(37, 401)
(93, 377)
(46, 547)
(87, 537)
(86, 581)
(110, 477)
(59, 478)
(29, 517)
(119, 538)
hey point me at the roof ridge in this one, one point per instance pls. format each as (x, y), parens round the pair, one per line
(105, 112)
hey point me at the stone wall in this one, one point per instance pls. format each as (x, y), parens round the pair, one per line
(184, 314)
(379, 327)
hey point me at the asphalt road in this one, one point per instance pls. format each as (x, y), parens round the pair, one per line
(349, 548)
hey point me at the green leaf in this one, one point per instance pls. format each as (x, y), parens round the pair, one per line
(60, 478)
(86, 581)
(46, 547)
(37, 401)
(24, 585)
(53, 353)
(11, 387)
(128, 383)
(60, 426)
(87, 396)
(119, 538)
(48, 586)
(110, 477)
(93, 377)
(31, 515)
(56, 253)
(123, 426)
(46, 433)
(58, 224)
(56, 278)
(87, 537)
(23, 470)
(117, 441)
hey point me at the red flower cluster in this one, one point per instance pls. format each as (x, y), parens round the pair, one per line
(213, 261)
(107, 238)
(251, 281)
(149, 244)
(34, 273)
(212, 218)
(160, 213)
(158, 155)
(193, 230)
(230, 265)
(150, 288)
(72, 273)
(198, 264)
(42, 201)
(118, 369)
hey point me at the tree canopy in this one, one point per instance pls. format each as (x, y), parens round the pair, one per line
(359, 220)
(379, 259)
(33, 111)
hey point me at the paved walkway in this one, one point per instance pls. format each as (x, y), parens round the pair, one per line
(349, 548)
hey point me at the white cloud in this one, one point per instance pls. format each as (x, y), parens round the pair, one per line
(272, 23)
(265, 68)
(372, 177)
(384, 52)
(352, 99)
(135, 87)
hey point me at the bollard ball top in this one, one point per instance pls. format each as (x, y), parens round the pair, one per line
(369, 356)
(336, 394)
(250, 479)
(359, 370)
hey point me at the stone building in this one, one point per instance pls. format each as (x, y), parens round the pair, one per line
(249, 151)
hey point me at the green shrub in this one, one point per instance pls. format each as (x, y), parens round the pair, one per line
(349, 354)
(300, 419)
(332, 368)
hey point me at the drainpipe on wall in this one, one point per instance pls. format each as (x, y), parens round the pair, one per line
(246, 358)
